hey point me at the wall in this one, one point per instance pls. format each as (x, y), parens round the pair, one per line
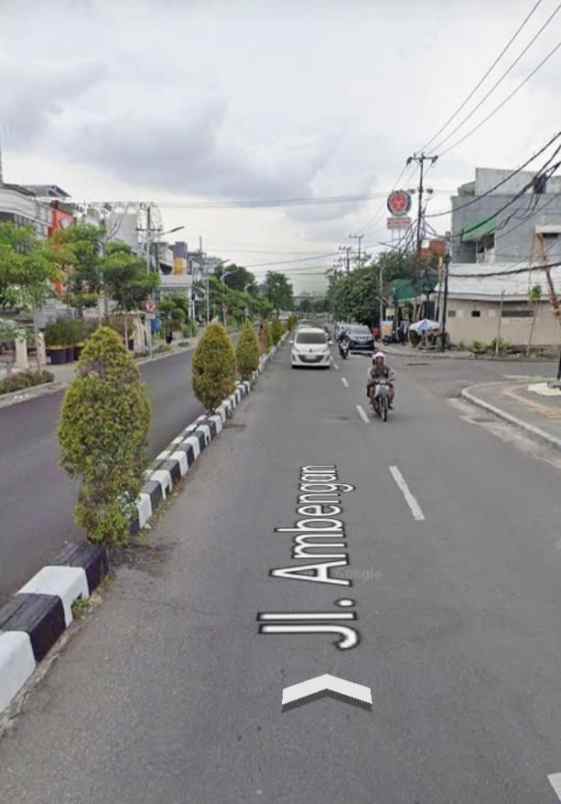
(509, 245)
(25, 210)
(463, 327)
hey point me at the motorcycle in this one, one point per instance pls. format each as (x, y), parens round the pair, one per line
(344, 347)
(380, 399)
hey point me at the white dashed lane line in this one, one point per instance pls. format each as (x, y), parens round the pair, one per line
(345, 382)
(362, 414)
(336, 366)
(416, 509)
(555, 782)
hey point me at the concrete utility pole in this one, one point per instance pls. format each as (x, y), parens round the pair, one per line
(420, 159)
(347, 252)
(445, 302)
(359, 239)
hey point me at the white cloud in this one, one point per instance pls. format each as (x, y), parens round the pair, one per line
(244, 100)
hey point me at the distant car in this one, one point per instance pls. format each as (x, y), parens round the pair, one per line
(361, 338)
(310, 348)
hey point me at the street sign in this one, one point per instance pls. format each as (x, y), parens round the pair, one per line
(399, 203)
(398, 223)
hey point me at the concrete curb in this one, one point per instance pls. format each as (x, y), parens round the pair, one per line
(502, 414)
(36, 616)
(173, 463)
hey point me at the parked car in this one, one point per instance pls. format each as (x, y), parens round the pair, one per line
(361, 338)
(310, 348)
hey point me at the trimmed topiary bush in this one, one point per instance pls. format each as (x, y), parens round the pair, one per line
(214, 367)
(247, 352)
(102, 433)
(277, 331)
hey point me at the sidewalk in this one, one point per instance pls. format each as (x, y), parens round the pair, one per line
(532, 407)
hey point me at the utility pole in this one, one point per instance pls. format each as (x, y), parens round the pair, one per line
(359, 239)
(420, 159)
(381, 285)
(347, 252)
(445, 302)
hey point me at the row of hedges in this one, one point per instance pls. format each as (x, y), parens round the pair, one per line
(106, 417)
(68, 331)
(217, 365)
(24, 379)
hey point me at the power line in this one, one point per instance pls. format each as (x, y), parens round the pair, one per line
(504, 102)
(509, 272)
(289, 262)
(482, 80)
(499, 184)
(500, 80)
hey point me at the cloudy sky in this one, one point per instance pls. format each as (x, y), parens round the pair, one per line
(200, 104)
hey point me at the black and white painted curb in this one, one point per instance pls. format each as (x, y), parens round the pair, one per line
(35, 617)
(174, 463)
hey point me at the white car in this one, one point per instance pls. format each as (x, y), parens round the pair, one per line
(310, 348)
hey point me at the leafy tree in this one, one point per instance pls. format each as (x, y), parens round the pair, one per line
(28, 268)
(126, 279)
(102, 434)
(278, 291)
(83, 275)
(238, 278)
(247, 352)
(173, 313)
(214, 367)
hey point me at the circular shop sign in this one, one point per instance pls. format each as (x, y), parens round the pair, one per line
(399, 203)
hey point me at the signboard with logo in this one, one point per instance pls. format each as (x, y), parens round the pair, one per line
(398, 223)
(399, 203)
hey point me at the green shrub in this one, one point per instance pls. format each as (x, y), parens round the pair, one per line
(478, 347)
(102, 433)
(277, 331)
(214, 367)
(269, 331)
(24, 379)
(505, 347)
(247, 352)
(291, 323)
(189, 329)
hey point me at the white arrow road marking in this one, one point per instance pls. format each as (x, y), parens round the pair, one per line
(416, 509)
(334, 686)
(362, 414)
(345, 382)
(555, 782)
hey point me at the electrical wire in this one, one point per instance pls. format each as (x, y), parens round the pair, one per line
(509, 272)
(485, 76)
(503, 102)
(476, 199)
(497, 83)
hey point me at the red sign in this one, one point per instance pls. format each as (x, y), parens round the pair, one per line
(399, 203)
(398, 223)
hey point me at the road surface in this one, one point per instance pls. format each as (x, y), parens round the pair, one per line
(37, 498)
(451, 544)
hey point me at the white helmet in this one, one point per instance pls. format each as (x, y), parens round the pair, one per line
(379, 354)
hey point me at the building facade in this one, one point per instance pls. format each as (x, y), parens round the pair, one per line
(484, 232)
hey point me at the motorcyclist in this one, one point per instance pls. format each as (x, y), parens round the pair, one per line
(380, 371)
(343, 342)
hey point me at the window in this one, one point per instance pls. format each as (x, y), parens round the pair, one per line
(311, 337)
(476, 313)
(517, 313)
(451, 314)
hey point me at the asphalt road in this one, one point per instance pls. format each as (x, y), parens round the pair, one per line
(37, 498)
(168, 693)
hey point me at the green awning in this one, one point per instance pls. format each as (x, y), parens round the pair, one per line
(475, 231)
